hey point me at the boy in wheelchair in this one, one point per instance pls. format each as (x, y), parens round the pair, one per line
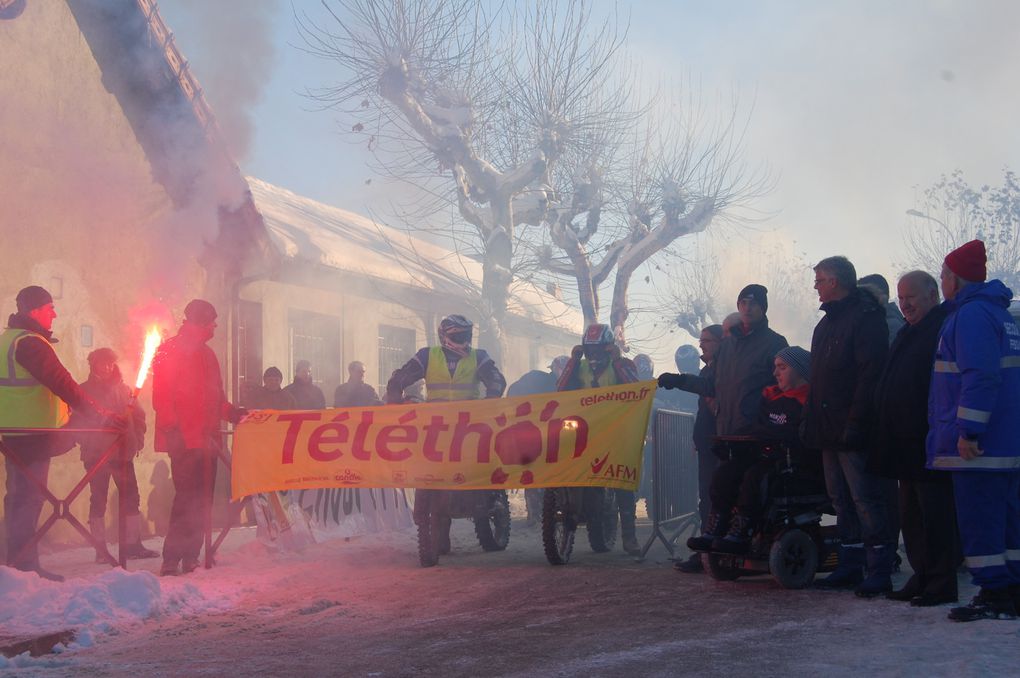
(750, 463)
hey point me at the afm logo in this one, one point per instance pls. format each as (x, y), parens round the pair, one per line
(348, 477)
(620, 471)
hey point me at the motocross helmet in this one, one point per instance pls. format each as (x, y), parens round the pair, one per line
(455, 334)
(596, 342)
(645, 366)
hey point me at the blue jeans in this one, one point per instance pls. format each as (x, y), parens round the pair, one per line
(858, 497)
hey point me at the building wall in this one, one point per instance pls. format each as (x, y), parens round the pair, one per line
(82, 215)
(363, 308)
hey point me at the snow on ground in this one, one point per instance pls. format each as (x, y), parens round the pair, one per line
(363, 607)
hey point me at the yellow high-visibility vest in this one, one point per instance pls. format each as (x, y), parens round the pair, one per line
(463, 385)
(24, 402)
(587, 377)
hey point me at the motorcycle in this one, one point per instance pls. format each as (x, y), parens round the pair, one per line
(434, 510)
(565, 508)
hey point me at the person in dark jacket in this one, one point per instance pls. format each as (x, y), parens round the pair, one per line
(879, 288)
(974, 428)
(848, 350)
(269, 395)
(307, 396)
(738, 482)
(187, 395)
(744, 367)
(355, 392)
(35, 392)
(533, 383)
(704, 430)
(106, 387)
(901, 401)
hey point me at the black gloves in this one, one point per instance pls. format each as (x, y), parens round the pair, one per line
(668, 380)
(237, 414)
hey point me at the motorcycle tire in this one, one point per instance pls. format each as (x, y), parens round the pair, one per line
(558, 527)
(493, 527)
(429, 529)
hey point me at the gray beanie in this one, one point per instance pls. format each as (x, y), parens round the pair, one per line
(797, 358)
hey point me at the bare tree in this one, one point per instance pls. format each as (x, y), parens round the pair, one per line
(671, 175)
(951, 212)
(480, 99)
(702, 285)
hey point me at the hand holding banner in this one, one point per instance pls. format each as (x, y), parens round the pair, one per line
(592, 437)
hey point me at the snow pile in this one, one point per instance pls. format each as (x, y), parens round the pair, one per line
(96, 605)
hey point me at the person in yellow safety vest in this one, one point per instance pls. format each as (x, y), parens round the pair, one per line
(597, 362)
(452, 371)
(35, 392)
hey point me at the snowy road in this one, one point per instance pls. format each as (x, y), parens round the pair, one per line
(364, 608)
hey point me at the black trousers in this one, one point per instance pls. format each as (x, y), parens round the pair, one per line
(728, 481)
(707, 464)
(928, 521)
(123, 473)
(23, 501)
(194, 477)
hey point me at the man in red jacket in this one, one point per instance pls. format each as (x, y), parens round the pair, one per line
(187, 395)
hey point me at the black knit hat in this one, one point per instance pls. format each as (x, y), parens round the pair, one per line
(758, 293)
(200, 312)
(32, 297)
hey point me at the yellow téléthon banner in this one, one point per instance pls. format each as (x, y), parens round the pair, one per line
(592, 437)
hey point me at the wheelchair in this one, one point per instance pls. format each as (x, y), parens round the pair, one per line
(788, 541)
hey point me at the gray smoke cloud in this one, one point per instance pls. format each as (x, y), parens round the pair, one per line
(229, 47)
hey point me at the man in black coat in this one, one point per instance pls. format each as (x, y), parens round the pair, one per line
(927, 514)
(848, 350)
(743, 368)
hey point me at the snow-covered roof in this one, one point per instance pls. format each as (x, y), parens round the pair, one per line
(305, 230)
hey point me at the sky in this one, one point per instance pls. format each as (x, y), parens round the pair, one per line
(854, 105)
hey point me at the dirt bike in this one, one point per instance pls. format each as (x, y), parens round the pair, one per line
(564, 508)
(434, 510)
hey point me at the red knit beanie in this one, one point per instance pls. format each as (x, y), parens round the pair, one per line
(968, 261)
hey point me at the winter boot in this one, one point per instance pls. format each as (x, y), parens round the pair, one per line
(715, 526)
(692, 565)
(880, 564)
(134, 549)
(97, 526)
(987, 604)
(849, 572)
(911, 589)
(738, 539)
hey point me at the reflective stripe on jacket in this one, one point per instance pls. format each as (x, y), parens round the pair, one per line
(587, 377)
(24, 402)
(461, 385)
(975, 384)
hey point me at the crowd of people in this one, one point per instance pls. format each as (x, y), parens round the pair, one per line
(909, 418)
(907, 414)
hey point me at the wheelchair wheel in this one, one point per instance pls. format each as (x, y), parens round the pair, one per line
(713, 564)
(793, 559)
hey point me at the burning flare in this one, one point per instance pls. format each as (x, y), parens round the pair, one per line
(152, 341)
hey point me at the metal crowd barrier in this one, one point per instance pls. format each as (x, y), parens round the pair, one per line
(674, 479)
(62, 507)
(234, 508)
